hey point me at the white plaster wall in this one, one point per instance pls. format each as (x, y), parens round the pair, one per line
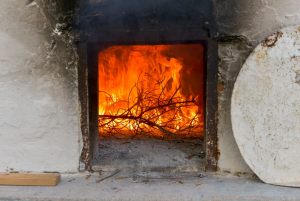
(39, 117)
(252, 20)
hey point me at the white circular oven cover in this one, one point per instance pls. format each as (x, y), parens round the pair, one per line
(265, 109)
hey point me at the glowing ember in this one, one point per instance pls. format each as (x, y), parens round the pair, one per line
(151, 90)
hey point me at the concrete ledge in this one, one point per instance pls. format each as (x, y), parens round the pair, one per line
(81, 187)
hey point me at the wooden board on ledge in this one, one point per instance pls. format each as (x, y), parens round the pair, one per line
(29, 179)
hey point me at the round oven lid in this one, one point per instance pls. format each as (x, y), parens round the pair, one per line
(265, 109)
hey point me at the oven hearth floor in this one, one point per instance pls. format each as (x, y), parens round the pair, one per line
(211, 187)
(150, 156)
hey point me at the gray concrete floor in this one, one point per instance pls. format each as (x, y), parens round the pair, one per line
(210, 187)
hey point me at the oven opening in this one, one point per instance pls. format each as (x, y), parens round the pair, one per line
(151, 91)
(151, 107)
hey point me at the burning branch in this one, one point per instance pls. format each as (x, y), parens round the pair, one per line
(159, 110)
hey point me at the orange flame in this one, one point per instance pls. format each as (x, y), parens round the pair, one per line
(151, 90)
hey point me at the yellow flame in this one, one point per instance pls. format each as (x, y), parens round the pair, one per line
(126, 72)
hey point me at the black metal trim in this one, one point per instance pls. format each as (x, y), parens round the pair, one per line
(211, 121)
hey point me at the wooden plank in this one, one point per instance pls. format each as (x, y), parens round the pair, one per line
(29, 179)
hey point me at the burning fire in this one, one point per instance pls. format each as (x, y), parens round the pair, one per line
(151, 90)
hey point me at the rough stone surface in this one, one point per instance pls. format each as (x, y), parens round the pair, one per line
(85, 187)
(265, 109)
(39, 113)
(150, 155)
(243, 24)
(231, 57)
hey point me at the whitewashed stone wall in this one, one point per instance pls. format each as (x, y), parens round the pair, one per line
(39, 113)
(39, 109)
